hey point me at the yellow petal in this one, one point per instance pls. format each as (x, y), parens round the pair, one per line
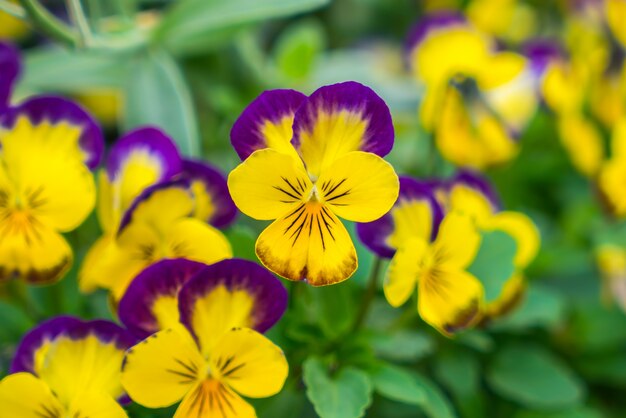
(160, 370)
(89, 273)
(23, 395)
(611, 180)
(268, 184)
(470, 202)
(249, 363)
(32, 251)
(96, 405)
(404, 269)
(511, 295)
(211, 399)
(523, 231)
(583, 142)
(450, 301)
(457, 241)
(309, 243)
(196, 240)
(109, 214)
(76, 367)
(411, 219)
(359, 186)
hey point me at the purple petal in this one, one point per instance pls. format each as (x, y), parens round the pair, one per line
(162, 279)
(141, 141)
(352, 97)
(55, 109)
(146, 195)
(209, 186)
(375, 235)
(439, 20)
(271, 106)
(479, 183)
(74, 328)
(542, 52)
(10, 67)
(269, 294)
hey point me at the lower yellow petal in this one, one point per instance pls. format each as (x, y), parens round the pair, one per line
(23, 395)
(511, 295)
(402, 275)
(249, 363)
(450, 300)
(211, 399)
(160, 370)
(523, 231)
(96, 405)
(309, 243)
(359, 186)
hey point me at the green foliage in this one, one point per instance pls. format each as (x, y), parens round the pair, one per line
(344, 394)
(493, 264)
(397, 384)
(298, 48)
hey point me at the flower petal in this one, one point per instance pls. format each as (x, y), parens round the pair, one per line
(523, 231)
(480, 184)
(9, 70)
(338, 119)
(71, 128)
(359, 186)
(249, 363)
(416, 213)
(196, 240)
(404, 271)
(96, 405)
(268, 184)
(213, 203)
(161, 369)
(23, 395)
(212, 399)
(511, 296)
(309, 243)
(450, 301)
(458, 241)
(150, 304)
(229, 294)
(266, 123)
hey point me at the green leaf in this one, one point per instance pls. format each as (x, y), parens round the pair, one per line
(346, 394)
(157, 94)
(403, 345)
(459, 372)
(193, 25)
(53, 69)
(579, 412)
(397, 384)
(534, 377)
(493, 264)
(540, 307)
(14, 322)
(243, 240)
(297, 49)
(437, 404)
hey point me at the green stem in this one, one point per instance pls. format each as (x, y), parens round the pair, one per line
(12, 9)
(368, 297)
(79, 19)
(49, 24)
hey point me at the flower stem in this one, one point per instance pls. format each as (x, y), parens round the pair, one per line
(80, 21)
(12, 9)
(368, 297)
(49, 24)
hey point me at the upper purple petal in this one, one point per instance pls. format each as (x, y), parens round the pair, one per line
(54, 109)
(9, 70)
(542, 52)
(478, 182)
(74, 328)
(271, 105)
(426, 24)
(375, 235)
(269, 294)
(214, 185)
(351, 96)
(162, 279)
(149, 140)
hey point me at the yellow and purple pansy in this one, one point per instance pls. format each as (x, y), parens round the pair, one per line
(154, 205)
(308, 161)
(48, 146)
(428, 253)
(209, 350)
(67, 367)
(477, 99)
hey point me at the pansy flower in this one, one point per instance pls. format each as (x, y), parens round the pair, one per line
(48, 146)
(153, 205)
(307, 162)
(611, 262)
(477, 100)
(208, 349)
(67, 367)
(429, 254)
(471, 194)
